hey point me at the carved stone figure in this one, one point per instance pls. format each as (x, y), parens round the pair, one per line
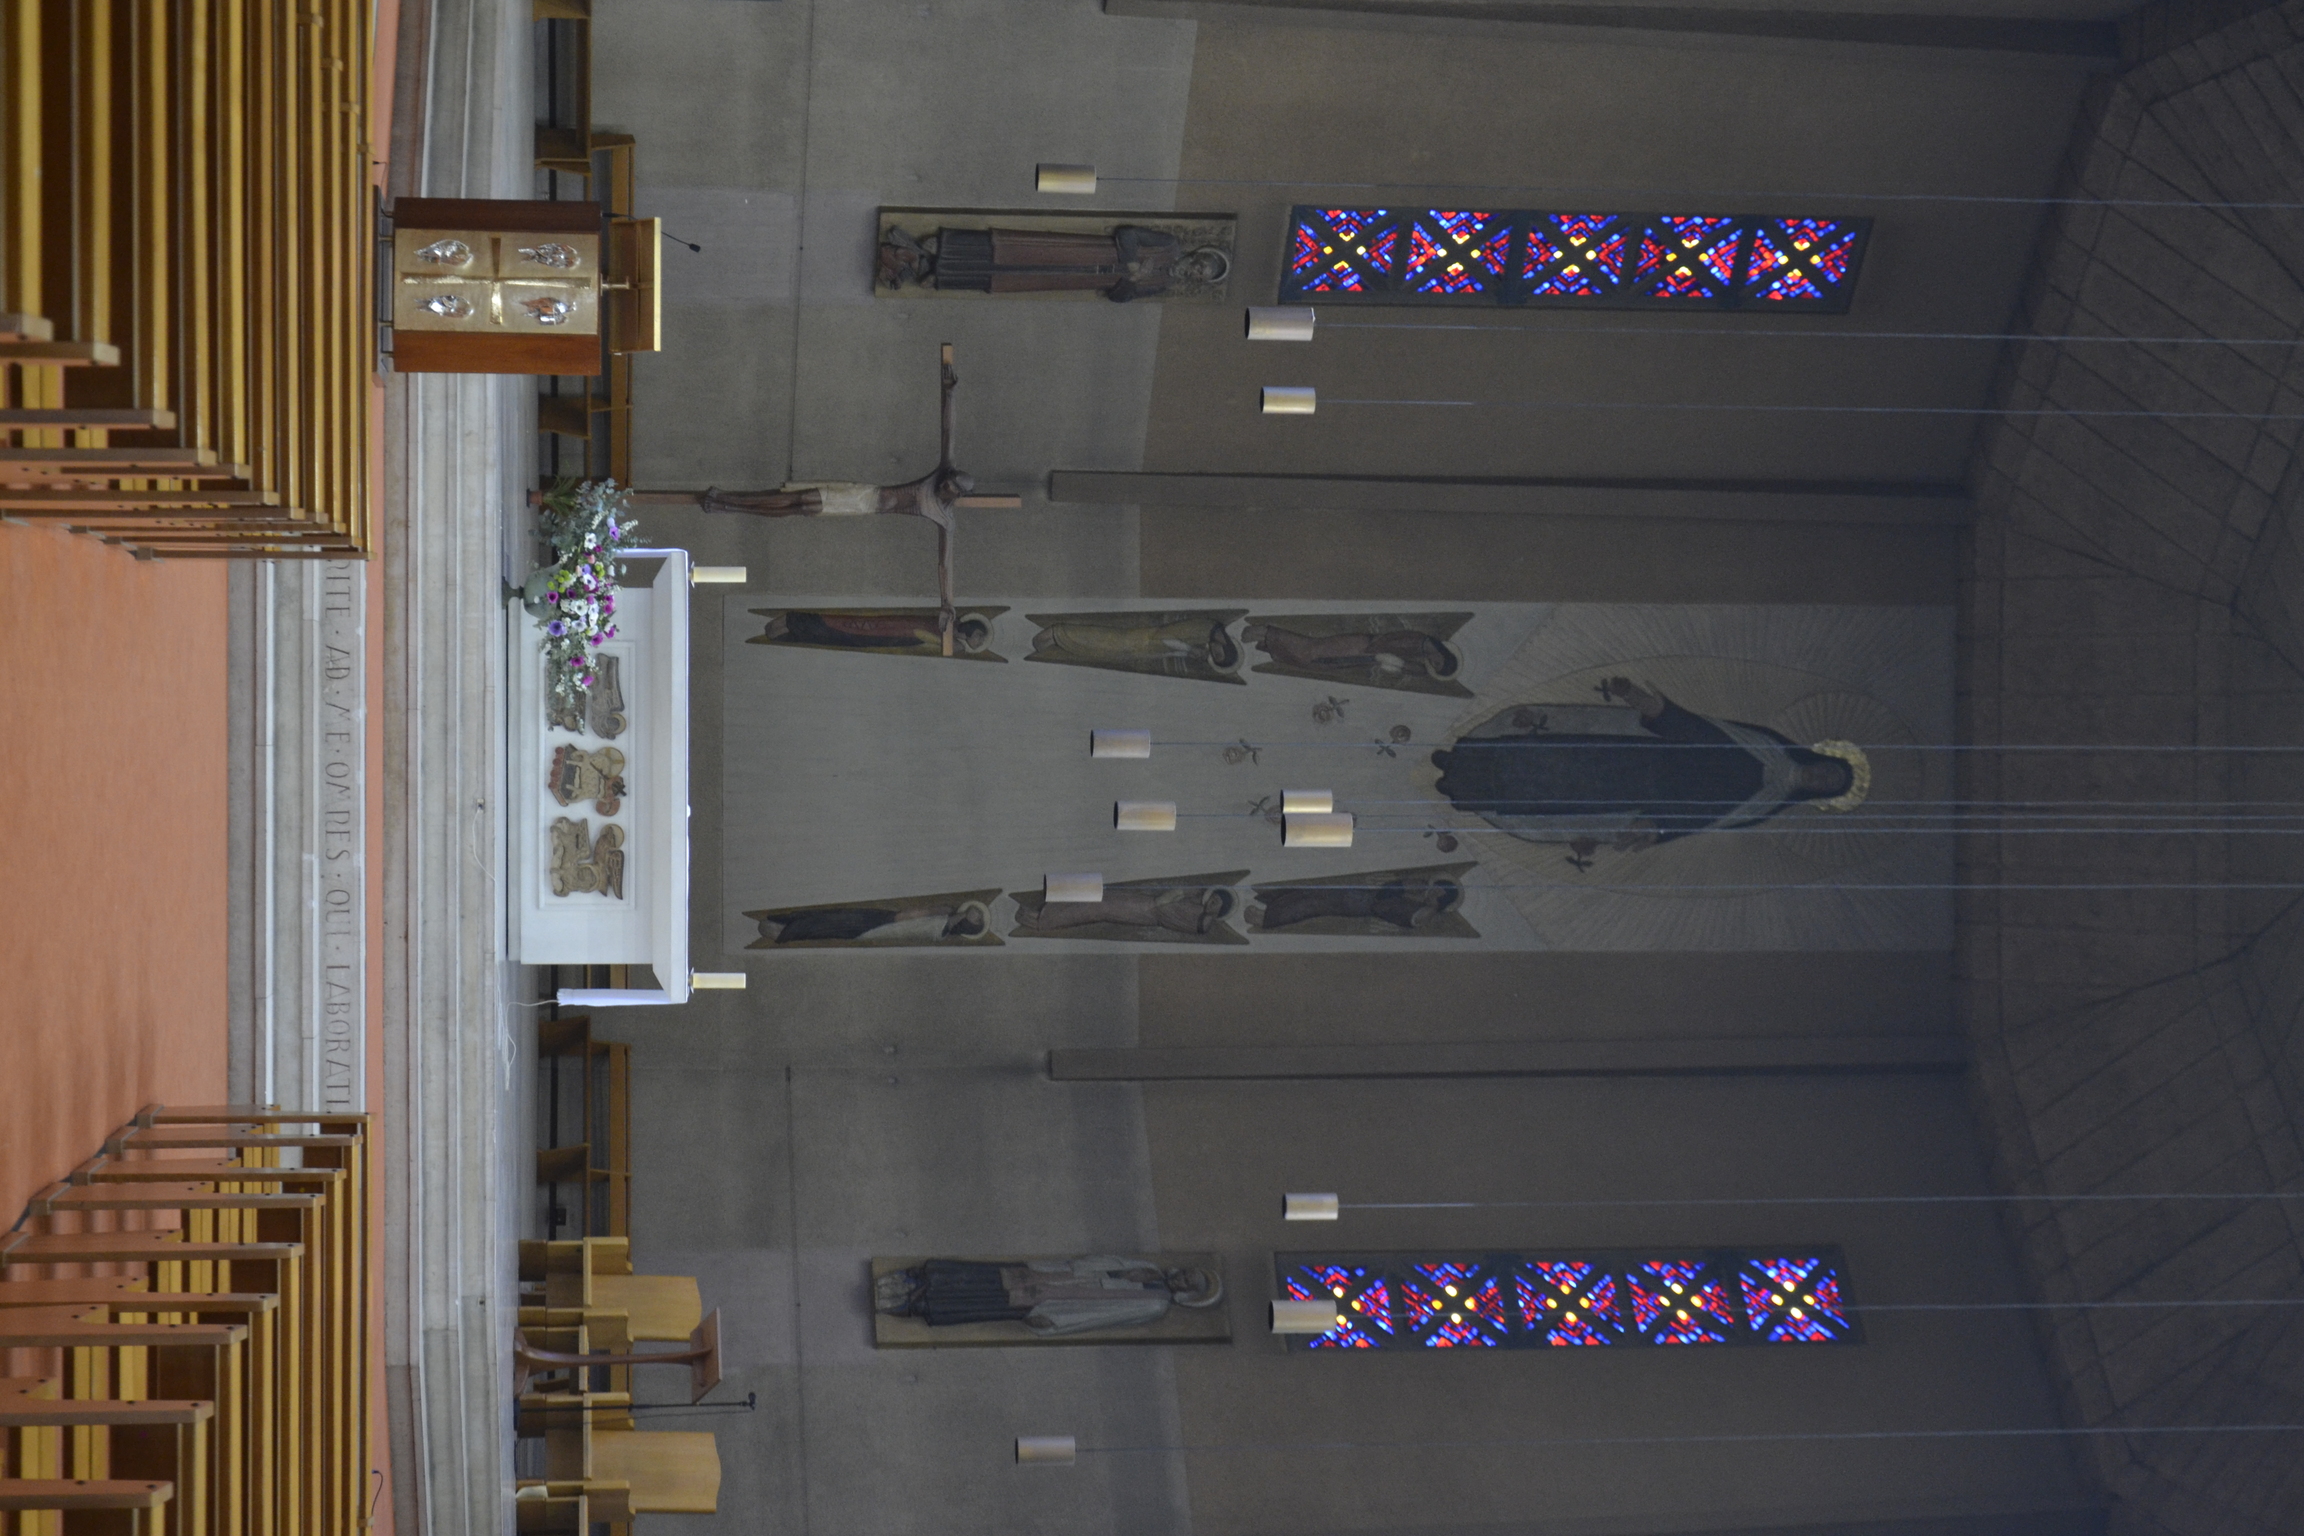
(578, 774)
(1051, 1297)
(599, 708)
(1131, 262)
(583, 864)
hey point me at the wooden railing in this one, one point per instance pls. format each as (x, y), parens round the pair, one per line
(214, 1379)
(187, 346)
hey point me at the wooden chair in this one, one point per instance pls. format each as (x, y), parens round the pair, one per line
(665, 1472)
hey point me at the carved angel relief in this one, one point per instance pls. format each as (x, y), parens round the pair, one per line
(578, 774)
(582, 863)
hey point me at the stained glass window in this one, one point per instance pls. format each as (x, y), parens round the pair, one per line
(1793, 1299)
(1606, 260)
(1343, 250)
(1538, 1301)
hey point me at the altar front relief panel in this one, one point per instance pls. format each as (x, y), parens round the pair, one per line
(1522, 776)
(599, 827)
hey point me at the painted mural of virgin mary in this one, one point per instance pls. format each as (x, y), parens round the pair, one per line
(1638, 771)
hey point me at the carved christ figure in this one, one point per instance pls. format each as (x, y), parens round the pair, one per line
(933, 496)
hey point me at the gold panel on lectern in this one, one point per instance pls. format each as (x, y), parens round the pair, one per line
(484, 286)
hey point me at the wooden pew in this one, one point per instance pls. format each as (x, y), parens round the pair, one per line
(274, 1256)
(185, 259)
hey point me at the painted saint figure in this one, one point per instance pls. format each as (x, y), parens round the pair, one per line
(1172, 643)
(1638, 772)
(1189, 909)
(1404, 904)
(883, 924)
(1052, 1297)
(1373, 658)
(871, 631)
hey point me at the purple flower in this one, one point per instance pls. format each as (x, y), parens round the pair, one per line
(609, 633)
(551, 597)
(556, 628)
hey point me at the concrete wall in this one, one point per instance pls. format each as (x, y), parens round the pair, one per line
(896, 1104)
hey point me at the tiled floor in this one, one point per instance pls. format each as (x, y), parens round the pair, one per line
(112, 818)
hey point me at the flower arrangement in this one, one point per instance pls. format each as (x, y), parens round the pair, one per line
(588, 527)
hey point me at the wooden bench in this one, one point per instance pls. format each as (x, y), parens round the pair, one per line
(249, 1299)
(185, 268)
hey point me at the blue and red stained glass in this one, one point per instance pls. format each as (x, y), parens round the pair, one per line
(1447, 1305)
(1363, 1303)
(1680, 1301)
(1526, 1301)
(1458, 254)
(1342, 250)
(1606, 260)
(1688, 256)
(1569, 1302)
(1801, 263)
(1793, 1300)
(1573, 255)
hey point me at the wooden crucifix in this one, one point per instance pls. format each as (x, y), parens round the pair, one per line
(934, 496)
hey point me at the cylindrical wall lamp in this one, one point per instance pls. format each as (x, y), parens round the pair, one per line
(1280, 322)
(1119, 743)
(1066, 180)
(1290, 399)
(1333, 830)
(1144, 815)
(1073, 888)
(1307, 802)
(1304, 1316)
(727, 575)
(1308, 1207)
(1046, 1450)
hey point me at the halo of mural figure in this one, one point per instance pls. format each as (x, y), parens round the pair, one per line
(1681, 773)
